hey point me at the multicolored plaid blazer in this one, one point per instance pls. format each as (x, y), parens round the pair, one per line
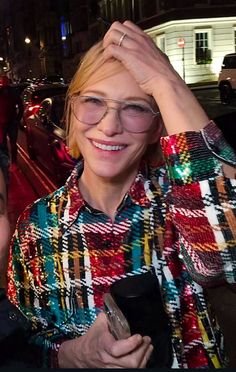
(179, 219)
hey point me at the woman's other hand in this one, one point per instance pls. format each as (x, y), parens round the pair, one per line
(98, 349)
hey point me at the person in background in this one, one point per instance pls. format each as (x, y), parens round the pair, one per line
(11, 111)
(128, 208)
(14, 326)
(4, 222)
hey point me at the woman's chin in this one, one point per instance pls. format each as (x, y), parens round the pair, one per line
(107, 173)
(107, 170)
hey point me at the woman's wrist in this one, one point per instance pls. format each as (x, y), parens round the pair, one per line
(68, 356)
(179, 114)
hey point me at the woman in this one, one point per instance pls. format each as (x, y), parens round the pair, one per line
(119, 214)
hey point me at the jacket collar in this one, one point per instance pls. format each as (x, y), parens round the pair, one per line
(72, 201)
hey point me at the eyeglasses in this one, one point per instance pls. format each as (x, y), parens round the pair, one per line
(135, 117)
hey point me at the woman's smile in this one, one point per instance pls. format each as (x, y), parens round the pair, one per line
(108, 146)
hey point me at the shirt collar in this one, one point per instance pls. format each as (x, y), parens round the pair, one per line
(74, 200)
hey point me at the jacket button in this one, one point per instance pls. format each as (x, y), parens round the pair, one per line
(12, 316)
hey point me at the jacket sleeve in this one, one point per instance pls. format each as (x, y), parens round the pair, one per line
(202, 203)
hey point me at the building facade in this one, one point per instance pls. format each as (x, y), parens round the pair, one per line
(196, 47)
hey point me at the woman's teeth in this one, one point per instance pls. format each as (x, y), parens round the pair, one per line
(108, 147)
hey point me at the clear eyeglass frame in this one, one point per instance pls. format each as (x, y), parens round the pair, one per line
(128, 122)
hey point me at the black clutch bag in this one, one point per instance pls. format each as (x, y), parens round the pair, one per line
(135, 305)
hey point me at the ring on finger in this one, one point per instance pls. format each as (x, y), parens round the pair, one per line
(121, 39)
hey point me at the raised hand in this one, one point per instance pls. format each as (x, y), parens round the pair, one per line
(155, 75)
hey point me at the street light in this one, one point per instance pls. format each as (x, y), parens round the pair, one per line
(27, 40)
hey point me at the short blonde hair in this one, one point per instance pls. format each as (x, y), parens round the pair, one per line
(89, 72)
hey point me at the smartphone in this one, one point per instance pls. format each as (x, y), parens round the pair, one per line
(118, 324)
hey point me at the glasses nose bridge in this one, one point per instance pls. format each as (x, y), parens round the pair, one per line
(114, 125)
(117, 109)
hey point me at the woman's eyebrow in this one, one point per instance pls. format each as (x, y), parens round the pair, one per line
(103, 95)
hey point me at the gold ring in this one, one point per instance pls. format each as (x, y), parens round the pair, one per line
(122, 38)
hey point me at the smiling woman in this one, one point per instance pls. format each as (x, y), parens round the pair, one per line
(123, 214)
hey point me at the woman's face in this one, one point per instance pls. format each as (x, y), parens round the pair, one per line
(110, 151)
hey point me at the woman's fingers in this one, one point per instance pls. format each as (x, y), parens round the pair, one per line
(131, 26)
(146, 357)
(126, 346)
(118, 30)
(131, 356)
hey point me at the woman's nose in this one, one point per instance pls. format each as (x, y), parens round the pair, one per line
(110, 123)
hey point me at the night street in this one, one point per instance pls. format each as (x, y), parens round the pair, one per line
(27, 183)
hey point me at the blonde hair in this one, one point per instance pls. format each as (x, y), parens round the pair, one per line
(89, 72)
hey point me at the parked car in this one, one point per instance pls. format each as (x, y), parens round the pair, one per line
(227, 124)
(52, 79)
(227, 78)
(45, 137)
(33, 95)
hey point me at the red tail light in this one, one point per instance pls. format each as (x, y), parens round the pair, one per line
(33, 109)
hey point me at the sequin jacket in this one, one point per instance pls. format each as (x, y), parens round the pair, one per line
(179, 218)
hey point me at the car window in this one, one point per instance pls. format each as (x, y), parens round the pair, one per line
(229, 62)
(57, 112)
(39, 95)
(52, 109)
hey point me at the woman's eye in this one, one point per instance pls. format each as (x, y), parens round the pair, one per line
(136, 108)
(94, 101)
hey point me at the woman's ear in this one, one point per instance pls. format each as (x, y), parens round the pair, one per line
(158, 131)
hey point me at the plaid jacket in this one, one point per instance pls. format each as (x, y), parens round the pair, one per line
(179, 219)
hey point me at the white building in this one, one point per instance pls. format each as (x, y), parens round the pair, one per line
(206, 41)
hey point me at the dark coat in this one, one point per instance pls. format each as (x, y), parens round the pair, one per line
(11, 109)
(14, 331)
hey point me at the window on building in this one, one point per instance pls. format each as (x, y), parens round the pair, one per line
(202, 47)
(161, 42)
(66, 31)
